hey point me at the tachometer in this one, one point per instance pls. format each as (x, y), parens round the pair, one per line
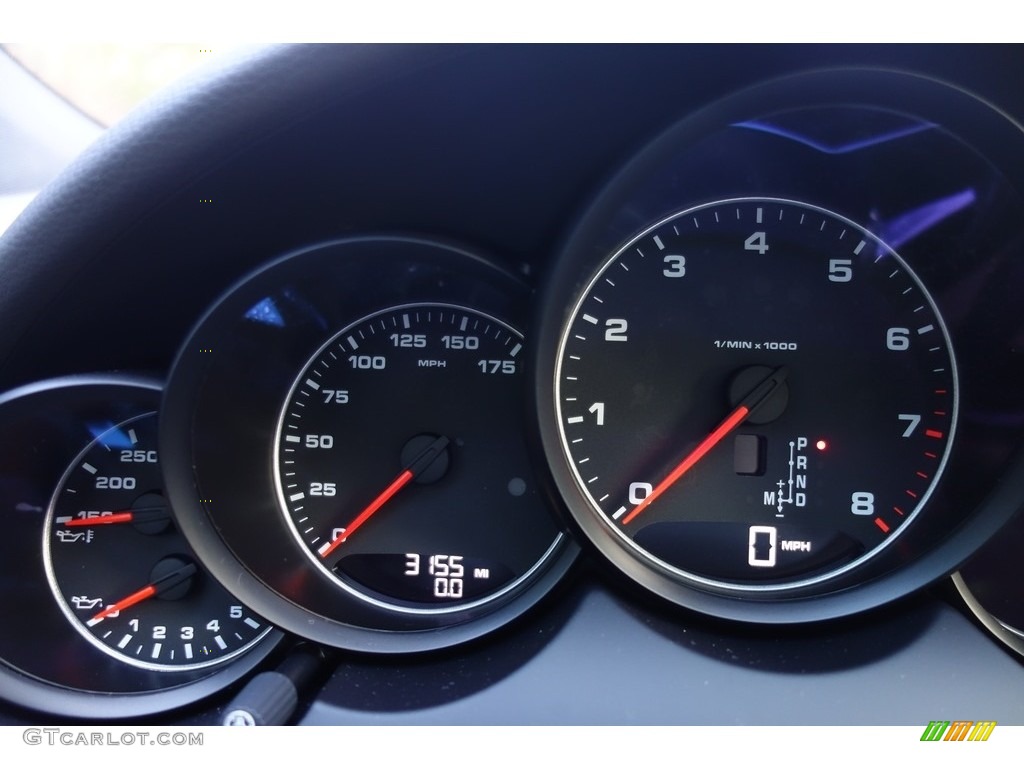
(752, 396)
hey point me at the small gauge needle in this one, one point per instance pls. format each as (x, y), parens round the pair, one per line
(172, 579)
(140, 515)
(747, 406)
(416, 466)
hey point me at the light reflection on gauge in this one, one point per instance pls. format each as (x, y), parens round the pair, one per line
(399, 464)
(990, 582)
(122, 573)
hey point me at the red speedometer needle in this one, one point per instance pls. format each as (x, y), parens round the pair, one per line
(416, 466)
(172, 579)
(141, 515)
(748, 405)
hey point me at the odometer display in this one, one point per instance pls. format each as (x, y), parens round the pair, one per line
(754, 395)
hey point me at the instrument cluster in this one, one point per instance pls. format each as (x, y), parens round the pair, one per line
(770, 375)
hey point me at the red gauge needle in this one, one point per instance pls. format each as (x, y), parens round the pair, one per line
(416, 466)
(141, 515)
(172, 579)
(748, 405)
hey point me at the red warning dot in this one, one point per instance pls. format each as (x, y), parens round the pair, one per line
(821, 445)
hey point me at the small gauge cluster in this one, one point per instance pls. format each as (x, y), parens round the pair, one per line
(113, 596)
(123, 573)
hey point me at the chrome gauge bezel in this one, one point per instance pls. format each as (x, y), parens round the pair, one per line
(729, 150)
(78, 622)
(314, 293)
(46, 424)
(682, 219)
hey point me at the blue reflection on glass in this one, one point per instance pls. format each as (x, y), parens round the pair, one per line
(909, 225)
(108, 436)
(265, 311)
(299, 302)
(837, 148)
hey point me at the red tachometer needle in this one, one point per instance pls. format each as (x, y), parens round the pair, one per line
(162, 584)
(751, 402)
(418, 465)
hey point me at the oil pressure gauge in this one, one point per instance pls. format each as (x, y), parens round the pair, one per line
(123, 574)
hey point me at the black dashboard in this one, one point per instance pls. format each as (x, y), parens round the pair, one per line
(808, 255)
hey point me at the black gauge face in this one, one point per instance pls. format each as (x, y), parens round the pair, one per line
(754, 395)
(399, 465)
(122, 573)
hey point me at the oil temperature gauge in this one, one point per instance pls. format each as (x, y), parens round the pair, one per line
(123, 574)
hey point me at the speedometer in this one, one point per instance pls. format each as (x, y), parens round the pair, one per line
(346, 446)
(395, 464)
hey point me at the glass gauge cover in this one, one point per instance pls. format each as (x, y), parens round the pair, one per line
(347, 444)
